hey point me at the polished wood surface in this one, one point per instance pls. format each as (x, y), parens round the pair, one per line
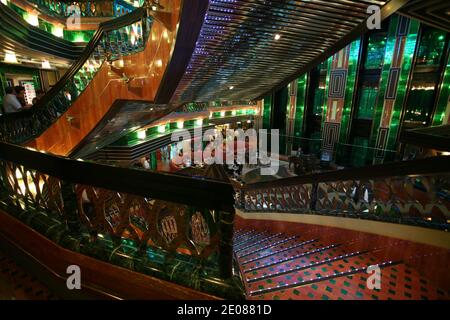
(145, 69)
(96, 275)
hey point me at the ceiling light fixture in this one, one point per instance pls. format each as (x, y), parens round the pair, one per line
(32, 18)
(58, 31)
(10, 57)
(141, 134)
(46, 65)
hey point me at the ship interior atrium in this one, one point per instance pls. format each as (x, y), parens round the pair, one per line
(225, 149)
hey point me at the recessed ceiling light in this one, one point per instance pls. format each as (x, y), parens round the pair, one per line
(277, 36)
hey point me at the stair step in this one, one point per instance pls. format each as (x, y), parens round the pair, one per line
(311, 255)
(296, 248)
(300, 283)
(258, 242)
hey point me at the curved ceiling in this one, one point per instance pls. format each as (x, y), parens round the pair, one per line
(238, 55)
(435, 13)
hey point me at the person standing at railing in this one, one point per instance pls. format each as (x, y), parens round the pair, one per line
(11, 102)
(39, 94)
(20, 94)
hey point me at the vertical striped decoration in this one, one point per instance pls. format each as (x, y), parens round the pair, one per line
(402, 40)
(290, 115)
(258, 116)
(337, 95)
(299, 114)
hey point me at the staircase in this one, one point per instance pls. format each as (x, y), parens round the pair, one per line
(278, 266)
(17, 284)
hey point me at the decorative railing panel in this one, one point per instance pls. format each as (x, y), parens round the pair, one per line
(411, 198)
(85, 8)
(116, 38)
(168, 235)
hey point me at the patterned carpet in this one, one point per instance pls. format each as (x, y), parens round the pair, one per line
(279, 267)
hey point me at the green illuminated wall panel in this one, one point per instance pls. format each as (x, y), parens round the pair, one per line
(153, 161)
(46, 26)
(390, 44)
(299, 110)
(323, 112)
(421, 98)
(367, 101)
(353, 60)
(78, 36)
(431, 48)
(408, 54)
(375, 51)
(267, 108)
(411, 39)
(444, 96)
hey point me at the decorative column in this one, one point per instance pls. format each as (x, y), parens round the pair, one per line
(299, 112)
(290, 115)
(400, 47)
(442, 114)
(266, 111)
(341, 82)
(258, 114)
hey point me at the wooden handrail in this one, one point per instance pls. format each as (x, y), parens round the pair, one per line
(199, 192)
(90, 47)
(18, 30)
(432, 165)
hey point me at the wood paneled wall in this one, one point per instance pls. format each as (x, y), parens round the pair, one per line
(145, 69)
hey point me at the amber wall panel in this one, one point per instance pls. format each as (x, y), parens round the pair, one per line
(145, 71)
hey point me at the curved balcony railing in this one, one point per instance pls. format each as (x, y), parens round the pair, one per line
(115, 38)
(85, 8)
(167, 226)
(203, 106)
(410, 192)
(16, 29)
